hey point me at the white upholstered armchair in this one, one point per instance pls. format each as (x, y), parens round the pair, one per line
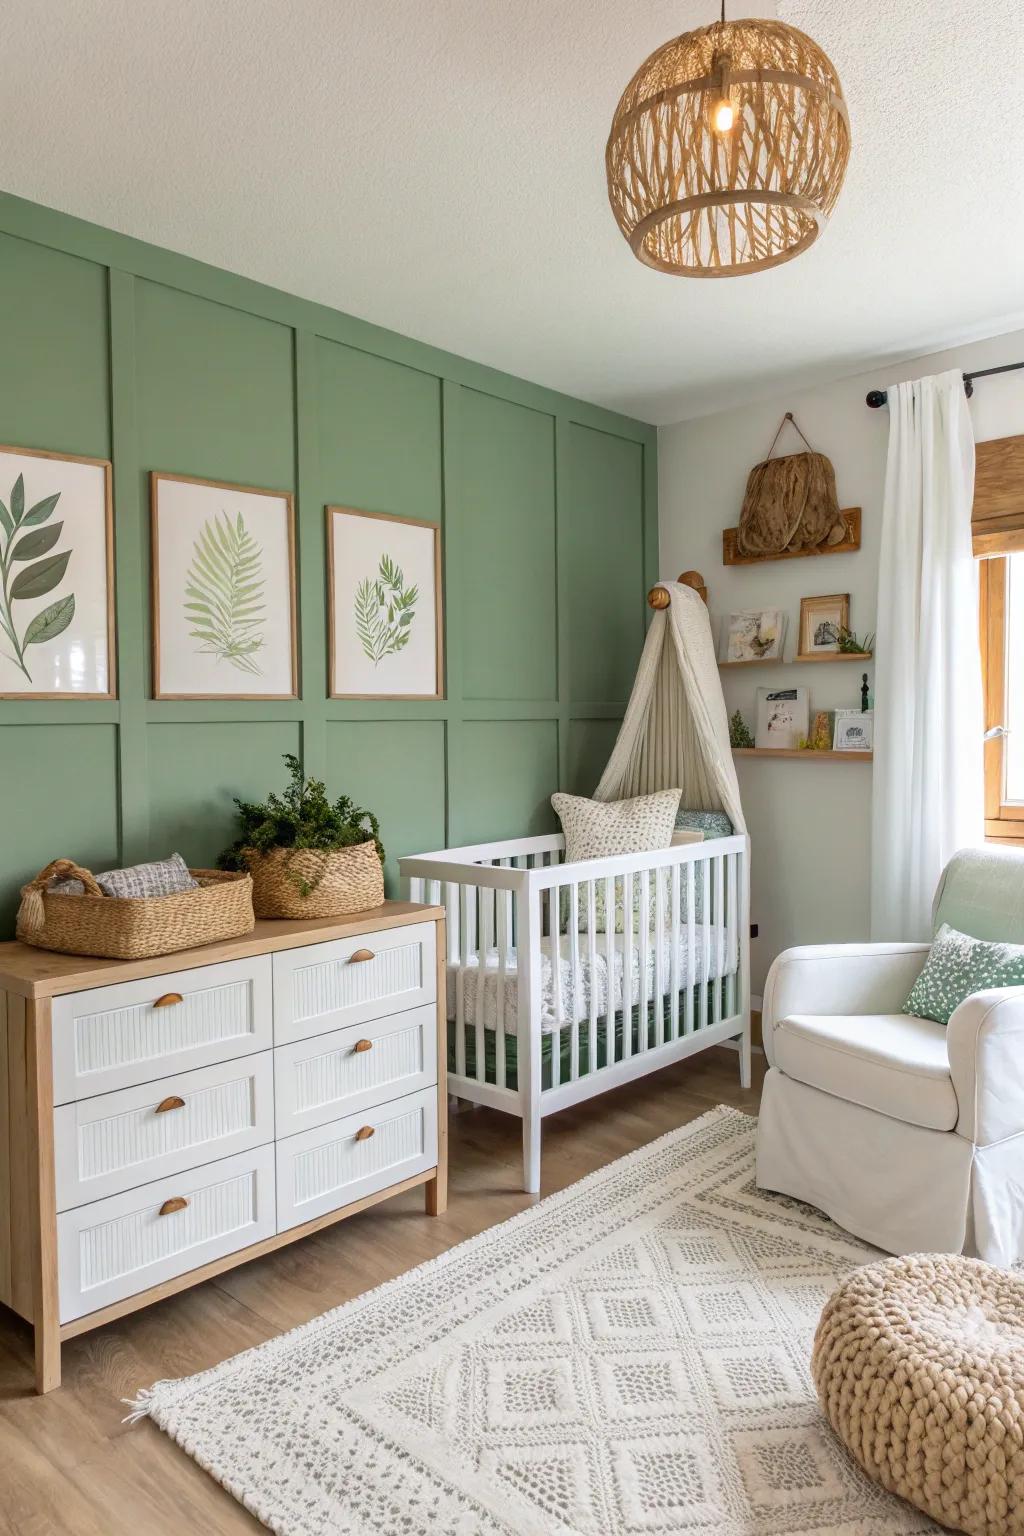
(907, 1133)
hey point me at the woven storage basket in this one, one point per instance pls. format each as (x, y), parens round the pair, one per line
(343, 880)
(133, 927)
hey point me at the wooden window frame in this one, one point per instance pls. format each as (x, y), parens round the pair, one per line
(1003, 823)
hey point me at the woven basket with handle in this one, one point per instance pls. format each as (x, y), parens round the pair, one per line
(339, 881)
(790, 503)
(132, 927)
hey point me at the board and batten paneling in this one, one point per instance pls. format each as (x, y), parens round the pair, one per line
(118, 349)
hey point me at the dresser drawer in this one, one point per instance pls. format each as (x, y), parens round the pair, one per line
(352, 1069)
(327, 986)
(324, 1169)
(119, 1140)
(135, 1031)
(114, 1248)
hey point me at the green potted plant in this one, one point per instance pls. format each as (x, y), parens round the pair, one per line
(308, 857)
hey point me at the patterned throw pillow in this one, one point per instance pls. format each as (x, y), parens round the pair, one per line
(163, 877)
(597, 829)
(958, 966)
(711, 823)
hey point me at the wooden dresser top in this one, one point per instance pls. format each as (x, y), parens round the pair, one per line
(41, 973)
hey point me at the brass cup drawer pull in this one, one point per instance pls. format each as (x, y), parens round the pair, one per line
(171, 1102)
(359, 955)
(364, 1133)
(176, 1203)
(363, 1045)
(169, 1000)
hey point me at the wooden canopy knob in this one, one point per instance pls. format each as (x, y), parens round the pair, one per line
(658, 597)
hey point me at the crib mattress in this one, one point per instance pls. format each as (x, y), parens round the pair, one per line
(591, 976)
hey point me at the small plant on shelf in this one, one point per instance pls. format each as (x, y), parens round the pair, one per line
(849, 643)
(302, 818)
(739, 732)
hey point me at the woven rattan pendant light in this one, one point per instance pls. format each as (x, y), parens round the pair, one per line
(728, 150)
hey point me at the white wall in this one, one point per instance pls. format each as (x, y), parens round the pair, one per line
(810, 822)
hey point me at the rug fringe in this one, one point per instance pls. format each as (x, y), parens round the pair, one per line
(141, 1406)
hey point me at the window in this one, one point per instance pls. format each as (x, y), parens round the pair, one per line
(1002, 654)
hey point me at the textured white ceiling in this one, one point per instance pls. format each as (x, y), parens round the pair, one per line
(437, 167)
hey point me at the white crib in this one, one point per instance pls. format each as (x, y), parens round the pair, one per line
(544, 1010)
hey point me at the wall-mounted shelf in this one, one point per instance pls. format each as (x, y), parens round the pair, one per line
(850, 517)
(835, 757)
(777, 661)
(836, 656)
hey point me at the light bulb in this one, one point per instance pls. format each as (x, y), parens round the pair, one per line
(723, 116)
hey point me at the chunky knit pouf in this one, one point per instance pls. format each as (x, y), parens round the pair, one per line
(919, 1365)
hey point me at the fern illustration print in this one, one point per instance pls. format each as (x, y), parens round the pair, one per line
(384, 611)
(224, 593)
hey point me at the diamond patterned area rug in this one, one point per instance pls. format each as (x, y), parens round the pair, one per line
(629, 1356)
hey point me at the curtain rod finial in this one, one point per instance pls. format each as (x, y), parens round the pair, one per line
(876, 398)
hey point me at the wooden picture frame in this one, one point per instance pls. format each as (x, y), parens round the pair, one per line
(105, 620)
(287, 645)
(433, 562)
(833, 609)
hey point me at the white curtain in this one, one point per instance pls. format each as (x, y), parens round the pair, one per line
(928, 787)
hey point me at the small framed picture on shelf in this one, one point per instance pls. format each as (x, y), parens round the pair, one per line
(753, 634)
(782, 717)
(854, 730)
(821, 621)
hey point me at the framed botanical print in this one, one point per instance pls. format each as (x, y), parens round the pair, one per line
(223, 571)
(386, 620)
(56, 576)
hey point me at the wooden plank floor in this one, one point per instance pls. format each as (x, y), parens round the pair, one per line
(67, 1462)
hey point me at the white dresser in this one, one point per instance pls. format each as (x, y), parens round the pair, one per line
(163, 1120)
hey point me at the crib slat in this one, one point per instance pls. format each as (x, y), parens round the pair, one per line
(504, 930)
(659, 957)
(609, 960)
(451, 909)
(674, 954)
(486, 898)
(592, 965)
(627, 966)
(644, 931)
(705, 941)
(460, 984)
(718, 990)
(555, 951)
(729, 937)
(691, 960)
(577, 980)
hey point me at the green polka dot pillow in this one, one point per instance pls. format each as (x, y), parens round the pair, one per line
(957, 967)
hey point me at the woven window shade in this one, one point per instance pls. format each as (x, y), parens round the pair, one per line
(704, 203)
(997, 519)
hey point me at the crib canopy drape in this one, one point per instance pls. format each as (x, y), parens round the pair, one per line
(676, 728)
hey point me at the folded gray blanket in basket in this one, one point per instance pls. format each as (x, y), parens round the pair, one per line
(163, 877)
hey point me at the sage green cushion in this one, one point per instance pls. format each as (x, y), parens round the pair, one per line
(982, 893)
(957, 967)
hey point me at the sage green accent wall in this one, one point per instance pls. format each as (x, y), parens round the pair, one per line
(548, 506)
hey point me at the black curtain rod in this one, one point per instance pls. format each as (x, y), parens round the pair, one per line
(878, 397)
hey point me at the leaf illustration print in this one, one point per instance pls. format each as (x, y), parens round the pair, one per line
(384, 611)
(224, 596)
(41, 572)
